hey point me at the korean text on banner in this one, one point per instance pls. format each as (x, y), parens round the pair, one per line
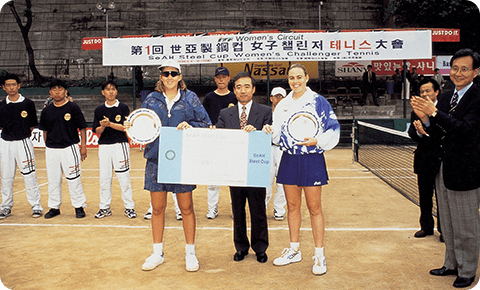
(220, 156)
(329, 46)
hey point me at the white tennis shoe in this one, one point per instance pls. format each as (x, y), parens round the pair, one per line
(152, 262)
(212, 213)
(191, 262)
(288, 256)
(320, 265)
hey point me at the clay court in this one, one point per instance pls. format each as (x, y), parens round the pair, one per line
(369, 241)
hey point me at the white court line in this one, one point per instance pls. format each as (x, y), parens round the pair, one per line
(143, 169)
(80, 226)
(212, 228)
(142, 177)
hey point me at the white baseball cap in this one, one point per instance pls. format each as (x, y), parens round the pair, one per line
(170, 63)
(279, 90)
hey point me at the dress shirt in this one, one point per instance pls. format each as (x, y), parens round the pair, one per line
(461, 92)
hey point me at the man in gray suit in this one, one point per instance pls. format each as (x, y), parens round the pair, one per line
(455, 124)
(248, 116)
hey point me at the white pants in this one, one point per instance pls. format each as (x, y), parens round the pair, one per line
(279, 201)
(116, 156)
(64, 161)
(213, 195)
(20, 153)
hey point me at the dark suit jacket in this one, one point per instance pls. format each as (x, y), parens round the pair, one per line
(459, 136)
(427, 155)
(229, 118)
(259, 115)
(365, 79)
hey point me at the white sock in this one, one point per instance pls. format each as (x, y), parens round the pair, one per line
(158, 248)
(189, 249)
(295, 246)
(319, 251)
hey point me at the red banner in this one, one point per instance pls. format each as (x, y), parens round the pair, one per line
(445, 35)
(388, 67)
(92, 43)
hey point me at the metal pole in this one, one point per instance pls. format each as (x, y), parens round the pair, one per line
(106, 28)
(320, 28)
(320, 15)
(404, 88)
(106, 34)
(134, 88)
(244, 15)
(268, 82)
(355, 139)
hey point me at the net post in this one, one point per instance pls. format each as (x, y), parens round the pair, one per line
(355, 140)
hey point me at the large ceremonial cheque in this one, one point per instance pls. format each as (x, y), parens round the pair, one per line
(328, 46)
(219, 156)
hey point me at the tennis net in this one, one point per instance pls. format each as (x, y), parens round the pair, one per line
(388, 154)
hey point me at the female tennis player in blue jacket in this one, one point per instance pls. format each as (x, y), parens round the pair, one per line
(177, 107)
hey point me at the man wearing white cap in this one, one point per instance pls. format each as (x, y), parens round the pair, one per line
(279, 201)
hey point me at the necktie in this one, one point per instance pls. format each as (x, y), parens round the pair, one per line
(453, 103)
(243, 118)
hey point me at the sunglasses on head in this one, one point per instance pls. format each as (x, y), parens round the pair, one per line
(170, 73)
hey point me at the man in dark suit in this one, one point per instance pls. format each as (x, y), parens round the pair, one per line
(455, 124)
(426, 162)
(248, 116)
(369, 85)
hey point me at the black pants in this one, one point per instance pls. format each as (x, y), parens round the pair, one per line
(258, 217)
(426, 190)
(369, 88)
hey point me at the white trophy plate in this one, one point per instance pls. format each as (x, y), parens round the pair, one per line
(145, 126)
(302, 125)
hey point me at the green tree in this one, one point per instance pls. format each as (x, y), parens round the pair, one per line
(27, 13)
(461, 14)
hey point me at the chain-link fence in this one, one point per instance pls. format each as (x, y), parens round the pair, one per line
(92, 73)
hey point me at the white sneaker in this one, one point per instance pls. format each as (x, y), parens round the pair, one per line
(191, 262)
(148, 216)
(212, 213)
(319, 266)
(152, 262)
(178, 215)
(277, 217)
(288, 256)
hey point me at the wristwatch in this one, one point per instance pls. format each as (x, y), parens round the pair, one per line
(434, 114)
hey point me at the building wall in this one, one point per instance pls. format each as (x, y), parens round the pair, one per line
(59, 26)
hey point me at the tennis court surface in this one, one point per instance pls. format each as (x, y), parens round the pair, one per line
(369, 241)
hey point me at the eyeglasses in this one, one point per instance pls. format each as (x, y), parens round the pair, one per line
(170, 73)
(462, 70)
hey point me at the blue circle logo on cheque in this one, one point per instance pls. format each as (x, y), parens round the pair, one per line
(170, 154)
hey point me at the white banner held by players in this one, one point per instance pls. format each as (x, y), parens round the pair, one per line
(220, 156)
(328, 46)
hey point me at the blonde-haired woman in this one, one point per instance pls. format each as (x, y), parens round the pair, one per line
(177, 107)
(302, 166)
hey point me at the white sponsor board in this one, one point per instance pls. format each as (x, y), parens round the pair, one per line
(443, 64)
(328, 46)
